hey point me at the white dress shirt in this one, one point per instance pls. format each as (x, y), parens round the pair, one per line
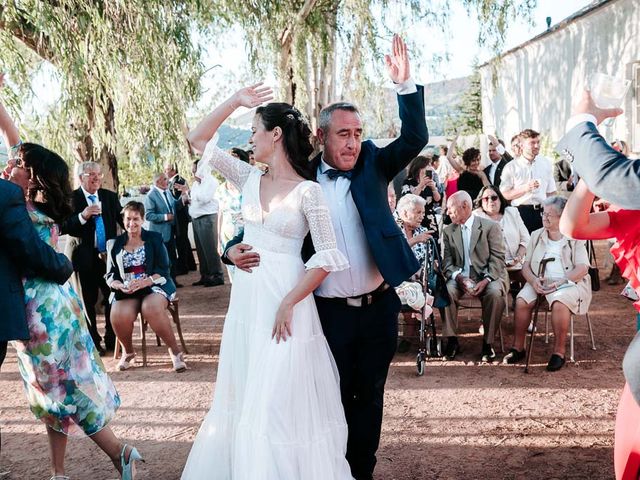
(521, 171)
(466, 247)
(203, 201)
(363, 276)
(169, 203)
(493, 166)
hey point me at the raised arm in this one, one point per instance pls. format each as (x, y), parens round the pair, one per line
(413, 131)
(608, 173)
(201, 138)
(249, 97)
(451, 155)
(8, 129)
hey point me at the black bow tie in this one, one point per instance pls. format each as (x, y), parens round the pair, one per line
(332, 173)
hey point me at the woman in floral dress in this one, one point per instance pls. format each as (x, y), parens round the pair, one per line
(65, 381)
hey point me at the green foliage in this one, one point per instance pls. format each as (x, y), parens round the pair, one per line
(127, 71)
(468, 118)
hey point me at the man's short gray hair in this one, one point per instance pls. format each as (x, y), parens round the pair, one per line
(88, 166)
(324, 119)
(408, 201)
(157, 176)
(556, 202)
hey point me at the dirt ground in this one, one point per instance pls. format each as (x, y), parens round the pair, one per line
(460, 420)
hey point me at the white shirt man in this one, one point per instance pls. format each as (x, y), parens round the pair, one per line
(528, 180)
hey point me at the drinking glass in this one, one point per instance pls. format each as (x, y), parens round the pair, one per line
(608, 91)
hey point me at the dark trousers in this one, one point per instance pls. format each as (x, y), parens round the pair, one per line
(3, 351)
(531, 216)
(186, 261)
(91, 282)
(363, 342)
(171, 250)
(205, 233)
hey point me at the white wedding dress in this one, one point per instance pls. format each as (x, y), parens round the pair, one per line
(276, 412)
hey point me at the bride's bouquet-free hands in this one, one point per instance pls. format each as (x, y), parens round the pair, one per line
(282, 325)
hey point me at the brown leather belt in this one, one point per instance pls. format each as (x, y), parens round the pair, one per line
(362, 300)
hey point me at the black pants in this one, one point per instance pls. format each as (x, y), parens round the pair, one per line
(531, 216)
(186, 261)
(92, 281)
(173, 259)
(3, 351)
(363, 342)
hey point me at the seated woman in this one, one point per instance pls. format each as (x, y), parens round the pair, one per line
(138, 275)
(473, 178)
(566, 284)
(410, 213)
(492, 205)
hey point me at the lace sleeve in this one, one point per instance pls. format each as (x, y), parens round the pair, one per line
(234, 170)
(327, 255)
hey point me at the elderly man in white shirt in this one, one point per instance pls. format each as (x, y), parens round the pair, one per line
(528, 180)
(203, 209)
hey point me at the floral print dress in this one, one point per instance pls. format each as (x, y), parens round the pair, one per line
(65, 381)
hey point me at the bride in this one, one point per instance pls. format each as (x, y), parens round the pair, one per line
(276, 411)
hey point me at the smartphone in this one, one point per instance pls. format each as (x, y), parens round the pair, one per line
(429, 174)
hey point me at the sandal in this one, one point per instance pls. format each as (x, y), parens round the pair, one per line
(126, 361)
(129, 465)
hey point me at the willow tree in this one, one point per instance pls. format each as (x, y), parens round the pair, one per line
(127, 72)
(322, 50)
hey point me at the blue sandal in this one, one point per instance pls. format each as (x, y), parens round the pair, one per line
(129, 466)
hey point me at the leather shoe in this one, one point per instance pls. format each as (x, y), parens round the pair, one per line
(198, 283)
(453, 348)
(556, 362)
(488, 353)
(179, 285)
(514, 356)
(101, 351)
(214, 283)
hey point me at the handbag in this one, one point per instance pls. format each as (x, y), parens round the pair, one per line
(594, 273)
(436, 282)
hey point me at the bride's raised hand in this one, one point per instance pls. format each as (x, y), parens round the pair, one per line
(253, 95)
(282, 326)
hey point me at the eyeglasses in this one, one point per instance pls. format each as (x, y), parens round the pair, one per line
(493, 198)
(548, 215)
(93, 175)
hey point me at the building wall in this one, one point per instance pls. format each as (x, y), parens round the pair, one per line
(535, 86)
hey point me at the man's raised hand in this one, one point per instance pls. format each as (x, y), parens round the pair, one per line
(398, 61)
(587, 105)
(253, 96)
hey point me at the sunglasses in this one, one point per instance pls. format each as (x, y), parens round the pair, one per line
(493, 198)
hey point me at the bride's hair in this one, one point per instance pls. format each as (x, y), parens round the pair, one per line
(50, 176)
(296, 135)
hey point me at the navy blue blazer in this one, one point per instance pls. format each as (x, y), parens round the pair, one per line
(374, 169)
(22, 253)
(156, 259)
(608, 173)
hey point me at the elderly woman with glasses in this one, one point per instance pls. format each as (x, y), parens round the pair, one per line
(492, 205)
(409, 216)
(565, 284)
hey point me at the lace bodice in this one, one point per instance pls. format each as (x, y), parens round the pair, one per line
(284, 228)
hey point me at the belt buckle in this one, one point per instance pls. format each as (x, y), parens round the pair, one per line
(354, 302)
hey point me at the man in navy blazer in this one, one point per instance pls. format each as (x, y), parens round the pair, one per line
(358, 307)
(160, 211)
(92, 204)
(22, 253)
